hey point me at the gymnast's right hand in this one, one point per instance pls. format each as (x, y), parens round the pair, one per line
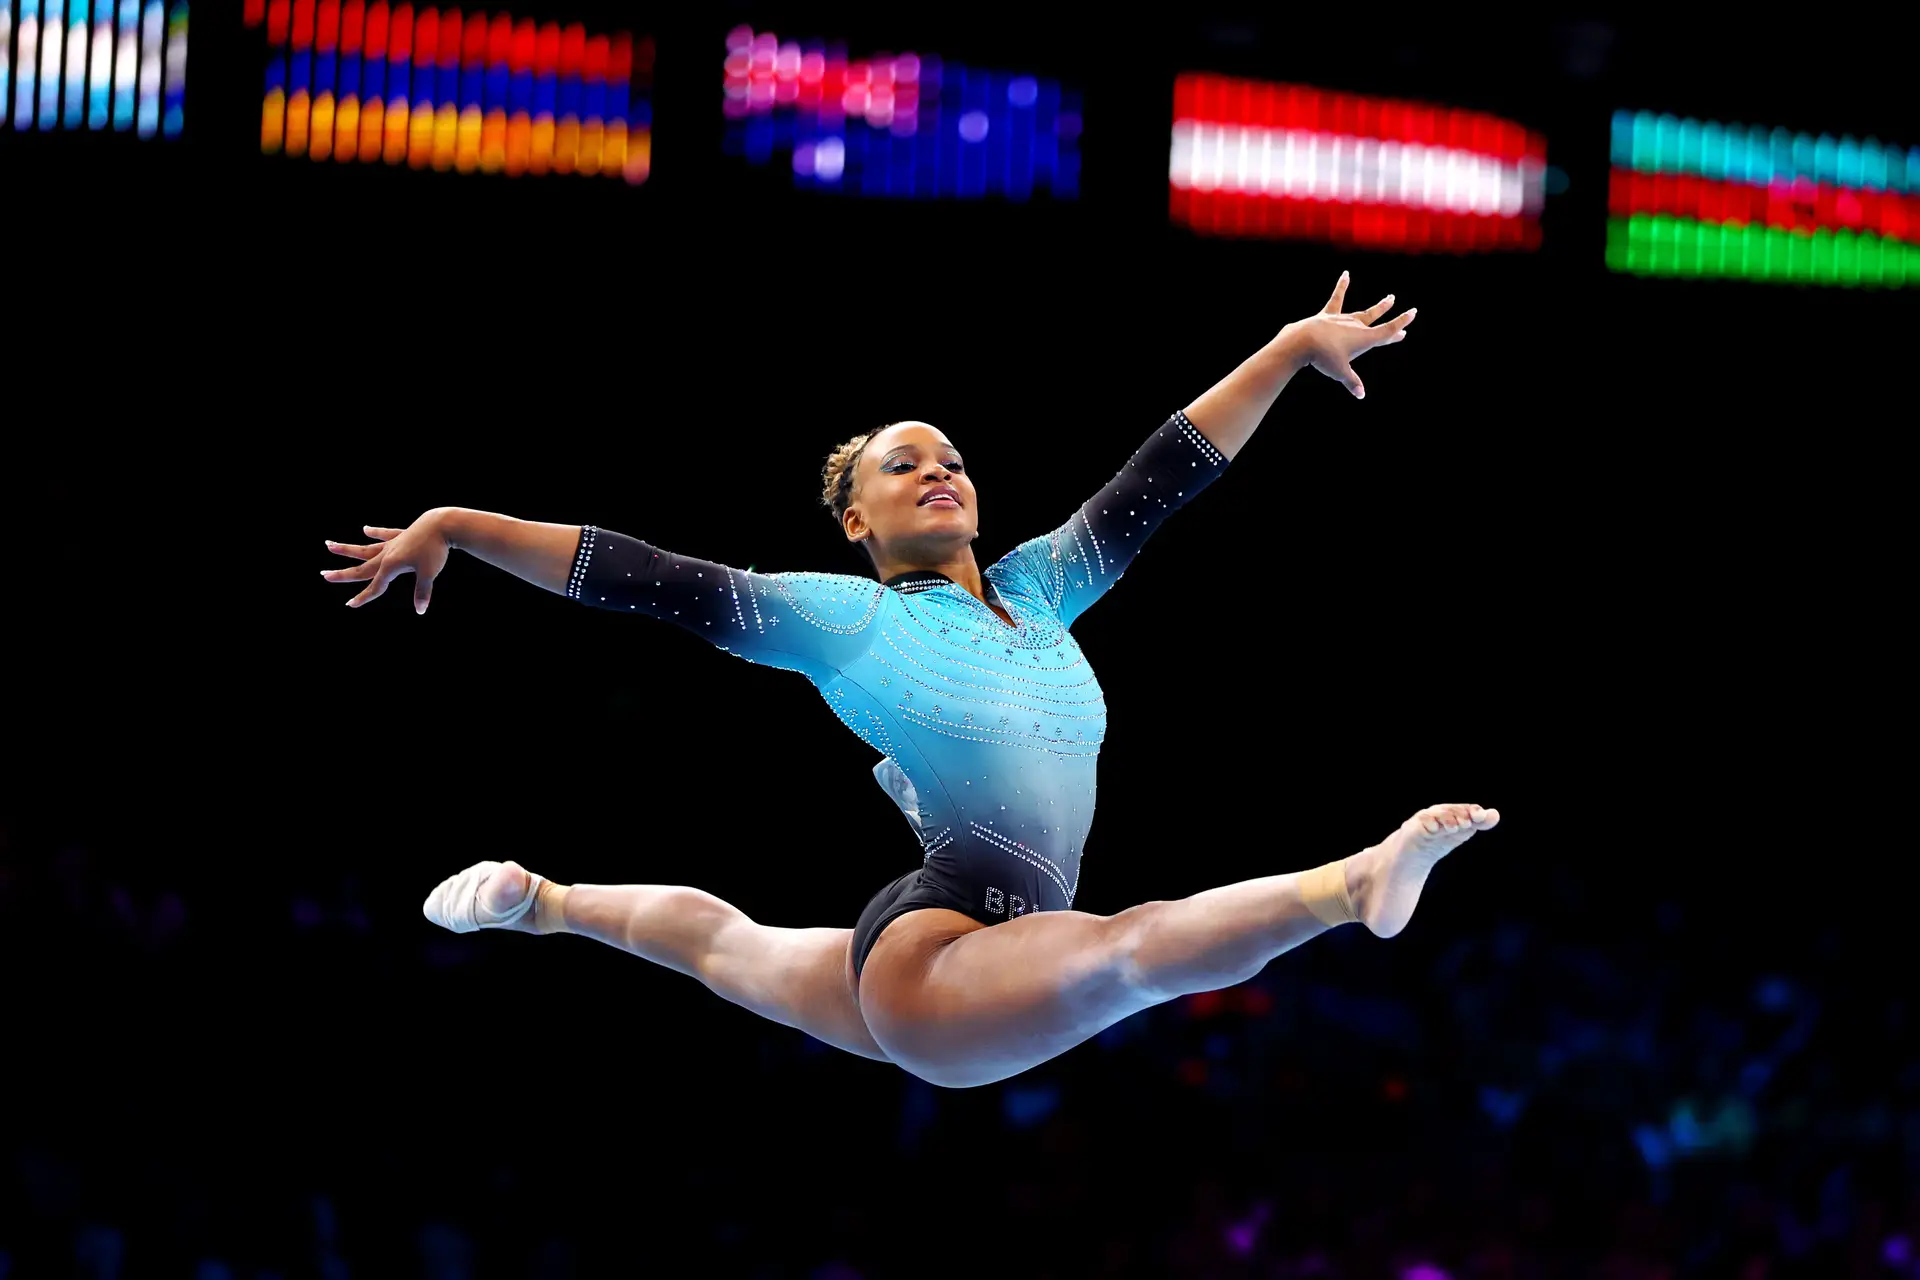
(420, 549)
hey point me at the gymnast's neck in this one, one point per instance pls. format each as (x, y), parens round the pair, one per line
(957, 566)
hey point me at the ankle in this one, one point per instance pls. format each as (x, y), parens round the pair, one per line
(1331, 891)
(550, 908)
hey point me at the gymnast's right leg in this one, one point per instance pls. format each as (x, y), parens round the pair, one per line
(796, 977)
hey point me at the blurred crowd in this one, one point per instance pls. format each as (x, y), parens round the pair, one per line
(1539, 1099)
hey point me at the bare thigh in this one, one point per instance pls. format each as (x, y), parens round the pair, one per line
(958, 1003)
(797, 977)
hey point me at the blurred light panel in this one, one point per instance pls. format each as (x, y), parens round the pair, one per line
(1252, 158)
(52, 27)
(24, 77)
(1701, 198)
(174, 114)
(100, 73)
(433, 87)
(79, 28)
(899, 126)
(6, 57)
(88, 64)
(126, 65)
(153, 20)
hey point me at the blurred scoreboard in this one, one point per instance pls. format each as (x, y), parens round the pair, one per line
(101, 65)
(440, 88)
(1699, 198)
(906, 125)
(1253, 158)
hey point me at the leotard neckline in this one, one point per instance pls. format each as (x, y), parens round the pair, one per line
(914, 581)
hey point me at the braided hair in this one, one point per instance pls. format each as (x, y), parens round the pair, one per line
(837, 475)
(837, 480)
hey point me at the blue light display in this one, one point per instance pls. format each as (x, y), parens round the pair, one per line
(905, 126)
(93, 64)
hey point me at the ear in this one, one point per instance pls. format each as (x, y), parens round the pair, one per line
(855, 525)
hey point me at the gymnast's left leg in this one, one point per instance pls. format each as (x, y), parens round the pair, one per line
(961, 1005)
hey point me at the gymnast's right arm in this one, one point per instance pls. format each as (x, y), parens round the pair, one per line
(811, 623)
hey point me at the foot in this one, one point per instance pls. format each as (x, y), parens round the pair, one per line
(487, 895)
(1385, 880)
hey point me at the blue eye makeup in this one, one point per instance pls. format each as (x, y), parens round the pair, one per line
(898, 466)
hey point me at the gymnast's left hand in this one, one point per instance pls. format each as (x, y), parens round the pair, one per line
(1331, 339)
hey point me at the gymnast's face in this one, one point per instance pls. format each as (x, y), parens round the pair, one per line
(912, 495)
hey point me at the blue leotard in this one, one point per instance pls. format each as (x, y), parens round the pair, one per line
(988, 732)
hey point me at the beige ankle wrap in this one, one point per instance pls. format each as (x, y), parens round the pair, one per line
(1324, 890)
(550, 908)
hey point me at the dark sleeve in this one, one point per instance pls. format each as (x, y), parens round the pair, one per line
(813, 623)
(1074, 565)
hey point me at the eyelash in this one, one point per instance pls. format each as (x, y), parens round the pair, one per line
(899, 465)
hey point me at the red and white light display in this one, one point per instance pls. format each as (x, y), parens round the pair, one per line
(1252, 158)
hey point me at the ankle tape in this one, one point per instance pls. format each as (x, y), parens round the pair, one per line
(1324, 890)
(549, 907)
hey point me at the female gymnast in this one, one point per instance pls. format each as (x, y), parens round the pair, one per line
(972, 967)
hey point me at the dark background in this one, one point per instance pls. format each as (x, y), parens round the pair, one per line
(1619, 556)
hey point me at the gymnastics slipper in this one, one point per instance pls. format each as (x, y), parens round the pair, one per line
(455, 902)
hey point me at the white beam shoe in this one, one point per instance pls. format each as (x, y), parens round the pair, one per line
(455, 902)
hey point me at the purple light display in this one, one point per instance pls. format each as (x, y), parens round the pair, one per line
(907, 125)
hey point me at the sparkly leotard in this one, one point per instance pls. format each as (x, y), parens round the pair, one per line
(988, 732)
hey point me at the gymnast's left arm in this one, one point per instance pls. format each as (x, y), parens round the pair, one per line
(1070, 568)
(1329, 340)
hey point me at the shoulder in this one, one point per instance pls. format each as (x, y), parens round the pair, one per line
(1032, 568)
(831, 601)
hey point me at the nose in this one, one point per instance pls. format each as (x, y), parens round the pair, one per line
(938, 473)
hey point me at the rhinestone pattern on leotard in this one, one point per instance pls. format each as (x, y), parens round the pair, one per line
(989, 731)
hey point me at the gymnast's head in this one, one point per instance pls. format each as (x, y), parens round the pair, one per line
(902, 492)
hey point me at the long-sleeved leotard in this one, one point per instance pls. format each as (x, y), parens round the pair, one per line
(988, 732)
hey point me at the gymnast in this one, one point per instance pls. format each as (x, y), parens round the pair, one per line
(973, 966)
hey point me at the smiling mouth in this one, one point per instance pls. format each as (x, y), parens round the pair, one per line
(941, 500)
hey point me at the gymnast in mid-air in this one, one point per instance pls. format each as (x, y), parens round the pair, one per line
(973, 966)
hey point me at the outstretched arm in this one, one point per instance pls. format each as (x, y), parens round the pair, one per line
(811, 623)
(1328, 341)
(1070, 568)
(540, 553)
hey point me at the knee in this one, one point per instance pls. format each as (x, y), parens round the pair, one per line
(1127, 935)
(698, 910)
(698, 934)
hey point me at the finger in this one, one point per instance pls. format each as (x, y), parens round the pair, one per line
(1375, 311)
(1339, 297)
(375, 531)
(422, 592)
(1396, 328)
(375, 589)
(355, 550)
(353, 572)
(1350, 380)
(1381, 335)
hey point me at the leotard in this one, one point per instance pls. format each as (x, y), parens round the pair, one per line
(988, 733)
